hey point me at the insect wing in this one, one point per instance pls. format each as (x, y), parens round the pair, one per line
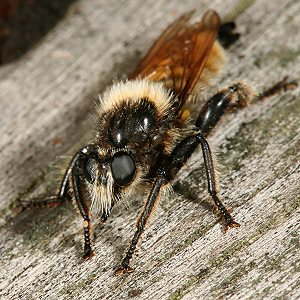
(178, 57)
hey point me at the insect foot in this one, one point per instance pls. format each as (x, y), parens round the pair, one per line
(230, 224)
(123, 270)
(88, 254)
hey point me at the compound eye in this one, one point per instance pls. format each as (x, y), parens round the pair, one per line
(89, 169)
(123, 168)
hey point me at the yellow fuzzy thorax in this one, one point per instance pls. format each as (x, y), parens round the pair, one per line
(132, 91)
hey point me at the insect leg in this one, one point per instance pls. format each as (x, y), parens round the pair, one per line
(83, 210)
(55, 200)
(180, 155)
(152, 198)
(238, 93)
(282, 85)
(212, 183)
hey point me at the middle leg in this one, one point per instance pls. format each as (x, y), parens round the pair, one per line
(178, 158)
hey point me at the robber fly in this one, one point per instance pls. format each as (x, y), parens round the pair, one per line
(144, 130)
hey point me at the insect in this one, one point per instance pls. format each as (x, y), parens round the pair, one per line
(144, 132)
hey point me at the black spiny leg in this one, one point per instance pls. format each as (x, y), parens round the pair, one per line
(237, 95)
(282, 85)
(180, 155)
(153, 196)
(83, 210)
(212, 184)
(55, 200)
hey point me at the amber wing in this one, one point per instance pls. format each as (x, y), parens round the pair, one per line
(178, 57)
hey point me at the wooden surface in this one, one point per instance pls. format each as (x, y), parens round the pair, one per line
(45, 101)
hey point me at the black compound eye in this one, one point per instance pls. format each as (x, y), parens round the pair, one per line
(123, 168)
(89, 169)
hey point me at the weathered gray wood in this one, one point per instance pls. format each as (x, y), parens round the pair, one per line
(45, 101)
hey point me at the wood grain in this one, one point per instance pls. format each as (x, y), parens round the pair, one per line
(46, 98)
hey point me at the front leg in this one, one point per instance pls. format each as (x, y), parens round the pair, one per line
(81, 205)
(55, 200)
(149, 206)
(178, 158)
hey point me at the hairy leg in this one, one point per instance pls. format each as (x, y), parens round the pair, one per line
(82, 207)
(236, 96)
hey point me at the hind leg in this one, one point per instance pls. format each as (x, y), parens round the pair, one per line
(238, 95)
